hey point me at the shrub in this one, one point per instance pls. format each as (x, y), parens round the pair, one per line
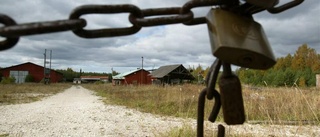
(29, 78)
(8, 80)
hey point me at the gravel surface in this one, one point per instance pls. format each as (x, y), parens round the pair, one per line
(78, 112)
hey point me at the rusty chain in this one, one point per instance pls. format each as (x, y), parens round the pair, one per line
(11, 31)
(139, 18)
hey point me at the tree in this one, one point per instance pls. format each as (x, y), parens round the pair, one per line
(305, 57)
(300, 68)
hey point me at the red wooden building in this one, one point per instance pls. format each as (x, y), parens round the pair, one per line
(19, 72)
(139, 76)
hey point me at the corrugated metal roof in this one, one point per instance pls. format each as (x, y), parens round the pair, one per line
(122, 75)
(164, 70)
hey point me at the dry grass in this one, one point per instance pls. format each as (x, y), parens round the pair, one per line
(178, 101)
(262, 105)
(293, 106)
(283, 105)
(29, 92)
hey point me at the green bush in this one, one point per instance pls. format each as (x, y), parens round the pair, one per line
(8, 80)
(29, 78)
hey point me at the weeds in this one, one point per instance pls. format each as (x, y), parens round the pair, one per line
(270, 105)
(28, 92)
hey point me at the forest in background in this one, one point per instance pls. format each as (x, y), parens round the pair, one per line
(299, 69)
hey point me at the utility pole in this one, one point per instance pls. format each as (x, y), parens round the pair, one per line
(47, 71)
(142, 70)
(44, 66)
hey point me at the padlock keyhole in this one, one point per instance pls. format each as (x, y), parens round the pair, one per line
(246, 60)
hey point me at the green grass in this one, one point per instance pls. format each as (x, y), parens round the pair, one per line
(184, 131)
(4, 135)
(28, 92)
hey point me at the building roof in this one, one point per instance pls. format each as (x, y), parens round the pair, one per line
(164, 70)
(25, 64)
(123, 75)
(174, 71)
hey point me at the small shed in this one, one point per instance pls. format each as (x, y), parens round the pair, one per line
(139, 76)
(171, 74)
(21, 71)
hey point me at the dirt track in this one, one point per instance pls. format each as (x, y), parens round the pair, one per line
(78, 112)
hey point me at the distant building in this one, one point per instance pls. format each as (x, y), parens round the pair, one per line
(94, 78)
(139, 76)
(171, 74)
(20, 72)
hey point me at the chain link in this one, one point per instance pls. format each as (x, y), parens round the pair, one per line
(9, 42)
(137, 17)
(102, 9)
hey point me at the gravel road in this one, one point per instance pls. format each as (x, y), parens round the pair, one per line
(78, 112)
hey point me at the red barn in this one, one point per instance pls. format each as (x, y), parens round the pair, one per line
(20, 72)
(139, 76)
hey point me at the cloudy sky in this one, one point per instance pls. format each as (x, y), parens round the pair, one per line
(162, 45)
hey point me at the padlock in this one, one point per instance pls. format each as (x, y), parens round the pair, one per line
(263, 3)
(239, 40)
(231, 97)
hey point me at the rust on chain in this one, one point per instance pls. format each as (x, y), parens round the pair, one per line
(285, 6)
(107, 32)
(42, 27)
(200, 115)
(221, 131)
(145, 22)
(9, 42)
(212, 77)
(137, 18)
(216, 106)
(186, 8)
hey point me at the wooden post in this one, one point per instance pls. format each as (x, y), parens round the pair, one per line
(318, 80)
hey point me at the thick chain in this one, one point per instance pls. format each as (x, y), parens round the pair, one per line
(12, 31)
(137, 17)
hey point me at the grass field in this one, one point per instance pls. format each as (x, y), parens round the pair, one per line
(271, 105)
(263, 105)
(29, 92)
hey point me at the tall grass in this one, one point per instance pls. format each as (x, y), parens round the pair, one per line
(180, 101)
(28, 92)
(262, 105)
(283, 105)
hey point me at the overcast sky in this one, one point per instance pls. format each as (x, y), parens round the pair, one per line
(162, 45)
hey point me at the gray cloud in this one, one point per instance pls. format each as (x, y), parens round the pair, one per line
(162, 45)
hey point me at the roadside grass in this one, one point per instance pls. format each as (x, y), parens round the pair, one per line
(178, 101)
(4, 135)
(263, 105)
(28, 92)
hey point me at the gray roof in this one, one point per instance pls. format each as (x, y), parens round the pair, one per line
(164, 70)
(122, 75)
(172, 72)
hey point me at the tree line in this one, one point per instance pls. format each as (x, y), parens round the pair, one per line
(299, 69)
(69, 74)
